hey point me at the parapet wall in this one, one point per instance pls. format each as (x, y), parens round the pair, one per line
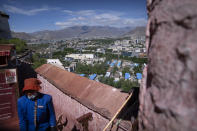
(71, 109)
(168, 95)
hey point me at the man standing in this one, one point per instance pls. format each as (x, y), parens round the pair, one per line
(35, 110)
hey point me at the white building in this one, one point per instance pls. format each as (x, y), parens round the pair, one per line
(137, 50)
(123, 42)
(72, 67)
(107, 74)
(55, 62)
(81, 57)
(100, 50)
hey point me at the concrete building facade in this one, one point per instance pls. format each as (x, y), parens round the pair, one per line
(55, 62)
(80, 56)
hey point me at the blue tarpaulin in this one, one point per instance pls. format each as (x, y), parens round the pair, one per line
(114, 61)
(127, 76)
(92, 77)
(112, 64)
(139, 76)
(82, 74)
(136, 64)
(119, 63)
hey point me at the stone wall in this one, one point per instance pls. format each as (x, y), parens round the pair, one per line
(168, 95)
(4, 26)
(71, 109)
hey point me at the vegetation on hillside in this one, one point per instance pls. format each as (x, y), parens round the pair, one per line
(19, 44)
(99, 69)
(124, 85)
(102, 41)
(61, 54)
(37, 47)
(110, 56)
(38, 60)
(126, 70)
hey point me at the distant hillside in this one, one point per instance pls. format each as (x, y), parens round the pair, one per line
(81, 32)
(138, 31)
(22, 35)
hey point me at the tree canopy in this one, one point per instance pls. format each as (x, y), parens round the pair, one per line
(38, 60)
(99, 69)
(20, 44)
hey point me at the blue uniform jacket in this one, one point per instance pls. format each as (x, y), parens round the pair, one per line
(45, 113)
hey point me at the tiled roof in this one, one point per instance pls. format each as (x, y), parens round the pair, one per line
(103, 99)
(6, 47)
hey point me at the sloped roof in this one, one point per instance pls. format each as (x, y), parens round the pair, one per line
(103, 99)
(139, 76)
(6, 47)
(92, 77)
(127, 75)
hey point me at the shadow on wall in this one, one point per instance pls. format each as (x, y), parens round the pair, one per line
(130, 111)
(75, 129)
(131, 108)
(127, 118)
(5, 129)
(25, 71)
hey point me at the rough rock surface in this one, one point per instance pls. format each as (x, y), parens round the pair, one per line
(168, 95)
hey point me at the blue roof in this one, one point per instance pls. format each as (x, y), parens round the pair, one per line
(119, 63)
(136, 64)
(92, 77)
(139, 76)
(127, 76)
(112, 64)
(82, 74)
(114, 61)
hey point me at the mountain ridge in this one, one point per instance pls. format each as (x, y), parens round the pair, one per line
(76, 32)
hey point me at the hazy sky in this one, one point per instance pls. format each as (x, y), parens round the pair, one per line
(36, 15)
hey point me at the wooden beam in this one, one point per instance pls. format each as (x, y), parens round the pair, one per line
(117, 112)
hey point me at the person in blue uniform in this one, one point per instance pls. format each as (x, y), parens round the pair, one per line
(35, 110)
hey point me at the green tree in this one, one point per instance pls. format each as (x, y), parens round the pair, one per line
(139, 60)
(70, 50)
(138, 69)
(126, 70)
(90, 69)
(118, 84)
(126, 85)
(59, 54)
(19, 44)
(115, 69)
(38, 61)
(107, 80)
